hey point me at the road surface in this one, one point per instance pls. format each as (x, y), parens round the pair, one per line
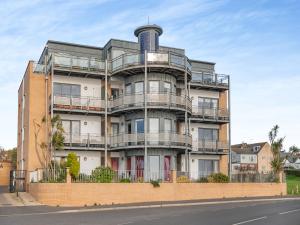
(235, 212)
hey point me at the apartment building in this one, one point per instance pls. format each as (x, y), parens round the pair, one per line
(251, 158)
(135, 106)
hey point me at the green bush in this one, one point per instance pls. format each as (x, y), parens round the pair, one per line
(182, 179)
(125, 180)
(155, 183)
(293, 172)
(73, 164)
(103, 175)
(202, 180)
(218, 178)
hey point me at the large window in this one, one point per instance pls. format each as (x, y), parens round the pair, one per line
(154, 125)
(153, 86)
(61, 89)
(71, 126)
(167, 124)
(139, 87)
(115, 128)
(167, 87)
(207, 167)
(208, 103)
(128, 89)
(208, 134)
(139, 126)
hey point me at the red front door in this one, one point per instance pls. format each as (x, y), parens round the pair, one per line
(139, 162)
(167, 168)
(115, 164)
(128, 166)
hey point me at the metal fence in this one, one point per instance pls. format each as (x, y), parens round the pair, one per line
(55, 175)
(255, 178)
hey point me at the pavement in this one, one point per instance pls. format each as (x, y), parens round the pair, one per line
(274, 211)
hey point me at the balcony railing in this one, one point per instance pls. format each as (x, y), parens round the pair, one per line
(38, 68)
(84, 64)
(78, 103)
(168, 100)
(210, 113)
(210, 146)
(166, 139)
(84, 140)
(158, 58)
(208, 79)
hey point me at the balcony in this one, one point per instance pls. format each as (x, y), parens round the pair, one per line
(65, 64)
(78, 104)
(83, 141)
(166, 62)
(210, 81)
(214, 115)
(159, 139)
(210, 147)
(168, 101)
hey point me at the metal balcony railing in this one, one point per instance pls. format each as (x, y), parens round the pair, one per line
(78, 103)
(38, 68)
(70, 62)
(213, 146)
(88, 140)
(210, 113)
(167, 139)
(153, 58)
(209, 79)
(168, 100)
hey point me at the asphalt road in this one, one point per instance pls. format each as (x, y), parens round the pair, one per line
(273, 212)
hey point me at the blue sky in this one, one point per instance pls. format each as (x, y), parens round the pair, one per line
(256, 42)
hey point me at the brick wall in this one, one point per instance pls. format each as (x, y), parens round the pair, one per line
(79, 194)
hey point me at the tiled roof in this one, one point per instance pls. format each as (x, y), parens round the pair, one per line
(245, 148)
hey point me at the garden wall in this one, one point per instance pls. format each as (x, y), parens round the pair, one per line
(79, 194)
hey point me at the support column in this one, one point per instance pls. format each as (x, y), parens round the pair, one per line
(105, 118)
(229, 132)
(145, 118)
(185, 116)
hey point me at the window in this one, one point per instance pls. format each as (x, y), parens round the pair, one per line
(115, 93)
(115, 129)
(209, 103)
(139, 87)
(153, 86)
(61, 89)
(167, 87)
(128, 89)
(207, 167)
(71, 126)
(139, 126)
(208, 134)
(153, 125)
(154, 167)
(167, 124)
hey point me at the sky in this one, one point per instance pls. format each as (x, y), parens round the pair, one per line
(256, 42)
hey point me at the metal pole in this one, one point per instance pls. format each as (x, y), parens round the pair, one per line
(46, 100)
(145, 119)
(185, 116)
(105, 122)
(229, 132)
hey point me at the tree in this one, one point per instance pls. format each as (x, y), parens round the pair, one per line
(276, 146)
(294, 151)
(12, 155)
(73, 164)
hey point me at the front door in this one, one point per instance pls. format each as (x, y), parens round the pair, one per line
(139, 166)
(167, 168)
(154, 167)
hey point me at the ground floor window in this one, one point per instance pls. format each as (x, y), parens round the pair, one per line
(207, 167)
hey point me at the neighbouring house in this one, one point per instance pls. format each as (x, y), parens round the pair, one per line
(292, 164)
(5, 168)
(251, 158)
(135, 106)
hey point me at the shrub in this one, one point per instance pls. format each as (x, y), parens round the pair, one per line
(203, 180)
(73, 164)
(155, 183)
(125, 180)
(218, 178)
(103, 175)
(293, 172)
(182, 179)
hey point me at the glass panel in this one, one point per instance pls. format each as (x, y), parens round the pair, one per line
(57, 89)
(139, 126)
(66, 90)
(128, 89)
(154, 167)
(115, 128)
(75, 127)
(128, 127)
(66, 125)
(168, 125)
(214, 103)
(75, 90)
(167, 87)
(215, 135)
(153, 86)
(207, 134)
(139, 87)
(153, 125)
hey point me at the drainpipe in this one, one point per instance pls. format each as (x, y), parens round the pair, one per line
(105, 122)
(145, 119)
(185, 115)
(46, 98)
